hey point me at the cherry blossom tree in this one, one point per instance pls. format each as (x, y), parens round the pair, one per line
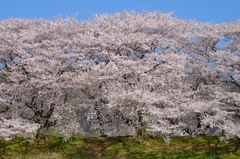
(120, 74)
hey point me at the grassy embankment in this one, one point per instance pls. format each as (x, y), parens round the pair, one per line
(120, 147)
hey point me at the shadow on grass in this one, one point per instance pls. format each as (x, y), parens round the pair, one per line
(120, 147)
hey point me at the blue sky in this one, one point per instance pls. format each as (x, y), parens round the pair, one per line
(215, 11)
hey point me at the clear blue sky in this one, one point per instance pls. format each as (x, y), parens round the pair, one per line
(215, 11)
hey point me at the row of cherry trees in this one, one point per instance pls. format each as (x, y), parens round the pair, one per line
(119, 75)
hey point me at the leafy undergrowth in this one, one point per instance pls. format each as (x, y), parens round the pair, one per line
(120, 147)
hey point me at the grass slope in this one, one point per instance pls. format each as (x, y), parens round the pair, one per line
(120, 147)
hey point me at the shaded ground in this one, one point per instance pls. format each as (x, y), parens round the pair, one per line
(120, 147)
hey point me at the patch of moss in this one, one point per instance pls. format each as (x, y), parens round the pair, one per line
(3, 78)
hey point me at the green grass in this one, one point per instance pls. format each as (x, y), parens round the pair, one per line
(120, 147)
